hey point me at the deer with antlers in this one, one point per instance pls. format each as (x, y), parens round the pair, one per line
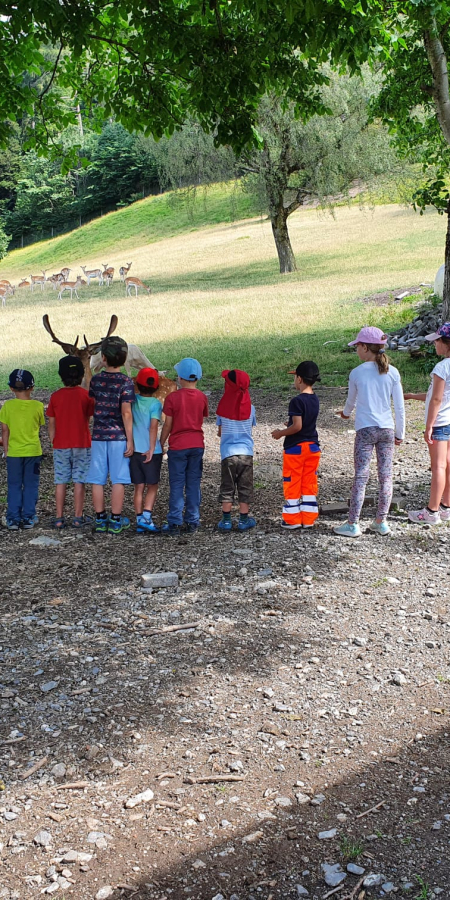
(93, 273)
(166, 385)
(123, 271)
(38, 280)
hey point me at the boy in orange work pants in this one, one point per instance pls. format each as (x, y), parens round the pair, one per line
(301, 455)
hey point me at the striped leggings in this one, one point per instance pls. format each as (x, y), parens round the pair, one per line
(383, 441)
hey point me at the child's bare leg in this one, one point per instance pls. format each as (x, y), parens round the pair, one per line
(98, 498)
(79, 493)
(227, 507)
(243, 509)
(152, 490)
(60, 497)
(117, 498)
(446, 495)
(138, 498)
(438, 454)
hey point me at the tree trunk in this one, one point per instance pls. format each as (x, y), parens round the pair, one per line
(282, 242)
(446, 289)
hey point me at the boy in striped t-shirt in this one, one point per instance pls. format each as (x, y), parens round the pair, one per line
(235, 419)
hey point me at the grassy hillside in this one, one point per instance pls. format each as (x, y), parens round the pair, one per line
(141, 223)
(217, 293)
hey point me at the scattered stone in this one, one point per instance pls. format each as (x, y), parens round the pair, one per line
(104, 892)
(388, 887)
(143, 797)
(48, 686)
(159, 580)
(42, 838)
(302, 798)
(399, 679)
(333, 874)
(44, 541)
(284, 802)
(301, 891)
(373, 880)
(327, 835)
(253, 837)
(354, 869)
(58, 771)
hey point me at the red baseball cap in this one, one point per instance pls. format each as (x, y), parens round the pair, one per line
(148, 378)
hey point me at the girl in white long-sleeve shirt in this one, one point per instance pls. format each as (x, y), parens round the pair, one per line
(373, 387)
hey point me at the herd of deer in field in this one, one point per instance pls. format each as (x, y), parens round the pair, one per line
(60, 281)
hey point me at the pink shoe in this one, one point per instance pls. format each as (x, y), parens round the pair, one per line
(424, 517)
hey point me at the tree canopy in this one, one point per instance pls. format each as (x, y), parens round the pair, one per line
(150, 62)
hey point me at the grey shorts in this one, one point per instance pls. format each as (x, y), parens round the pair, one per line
(236, 474)
(71, 465)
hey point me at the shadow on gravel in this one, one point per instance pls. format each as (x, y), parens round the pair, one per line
(391, 818)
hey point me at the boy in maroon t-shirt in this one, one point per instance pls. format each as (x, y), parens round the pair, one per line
(185, 410)
(68, 414)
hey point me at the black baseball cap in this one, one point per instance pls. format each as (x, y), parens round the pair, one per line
(308, 370)
(21, 380)
(70, 367)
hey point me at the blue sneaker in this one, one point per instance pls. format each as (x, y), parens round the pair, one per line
(347, 530)
(245, 524)
(225, 525)
(145, 523)
(380, 527)
(117, 526)
(30, 523)
(12, 526)
(101, 525)
(171, 530)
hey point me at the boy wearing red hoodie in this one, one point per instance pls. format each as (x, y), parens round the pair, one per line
(235, 419)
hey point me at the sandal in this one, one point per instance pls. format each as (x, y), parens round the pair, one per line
(80, 521)
(59, 523)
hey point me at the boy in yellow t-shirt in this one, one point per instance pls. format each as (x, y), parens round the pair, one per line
(21, 419)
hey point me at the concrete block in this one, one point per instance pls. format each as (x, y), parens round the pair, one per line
(159, 580)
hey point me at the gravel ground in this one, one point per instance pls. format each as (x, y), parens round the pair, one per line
(309, 688)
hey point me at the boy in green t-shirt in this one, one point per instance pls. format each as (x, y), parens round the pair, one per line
(21, 419)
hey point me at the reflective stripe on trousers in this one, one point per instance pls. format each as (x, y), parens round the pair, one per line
(300, 484)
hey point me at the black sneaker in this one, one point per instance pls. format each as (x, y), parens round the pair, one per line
(171, 530)
(191, 527)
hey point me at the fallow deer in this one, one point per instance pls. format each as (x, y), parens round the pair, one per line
(65, 272)
(136, 359)
(70, 286)
(23, 283)
(38, 279)
(123, 271)
(108, 274)
(135, 283)
(84, 353)
(93, 273)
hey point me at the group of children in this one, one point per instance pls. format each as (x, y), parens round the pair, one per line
(126, 448)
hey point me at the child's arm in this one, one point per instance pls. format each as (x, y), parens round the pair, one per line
(166, 429)
(153, 437)
(219, 431)
(422, 397)
(297, 425)
(350, 402)
(434, 407)
(5, 436)
(51, 428)
(127, 418)
(399, 409)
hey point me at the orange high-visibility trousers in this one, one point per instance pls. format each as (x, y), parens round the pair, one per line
(300, 464)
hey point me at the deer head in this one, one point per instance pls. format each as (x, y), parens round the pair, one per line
(84, 353)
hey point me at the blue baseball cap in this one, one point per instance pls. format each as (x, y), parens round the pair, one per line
(21, 380)
(189, 369)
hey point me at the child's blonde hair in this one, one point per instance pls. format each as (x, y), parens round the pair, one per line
(381, 359)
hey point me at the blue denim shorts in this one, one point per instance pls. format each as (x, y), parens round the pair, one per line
(441, 433)
(71, 465)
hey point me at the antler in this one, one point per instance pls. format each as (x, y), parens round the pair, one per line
(70, 349)
(112, 327)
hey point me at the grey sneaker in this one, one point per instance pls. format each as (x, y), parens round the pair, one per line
(424, 517)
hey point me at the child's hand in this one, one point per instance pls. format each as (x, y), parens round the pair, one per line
(427, 436)
(408, 396)
(277, 434)
(130, 449)
(147, 457)
(398, 441)
(340, 413)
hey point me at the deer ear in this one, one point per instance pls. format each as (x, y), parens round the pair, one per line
(112, 325)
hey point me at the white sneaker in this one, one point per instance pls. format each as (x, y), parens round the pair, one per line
(348, 530)
(424, 517)
(290, 527)
(444, 514)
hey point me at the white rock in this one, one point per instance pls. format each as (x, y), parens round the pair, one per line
(44, 541)
(104, 892)
(42, 838)
(284, 802)
(327, 835)
(143, 797)
(159, 579)
(251, 838)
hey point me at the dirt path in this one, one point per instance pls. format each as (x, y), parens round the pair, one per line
(314, 673)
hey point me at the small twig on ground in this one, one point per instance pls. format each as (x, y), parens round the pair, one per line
(210, 779)
(166, 775)
(372, 809)
(171, 628)
(37, 765)
(355, 890)
(334, 891)
(73, 785)
(16, 740)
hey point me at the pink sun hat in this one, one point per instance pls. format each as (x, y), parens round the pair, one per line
(369, 334)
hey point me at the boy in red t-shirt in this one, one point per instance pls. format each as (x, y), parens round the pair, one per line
(68, 414)
(185, 410)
